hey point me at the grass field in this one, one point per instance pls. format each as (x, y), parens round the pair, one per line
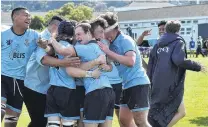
(196, 101)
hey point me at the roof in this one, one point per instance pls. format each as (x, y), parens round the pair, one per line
(166, 12)
(144, 5)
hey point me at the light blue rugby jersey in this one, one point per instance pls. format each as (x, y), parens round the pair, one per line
(132, 76)
(87, 53)
(58, 76)
(79, 81)
(16, 51)
(37, 75)
(113, 75)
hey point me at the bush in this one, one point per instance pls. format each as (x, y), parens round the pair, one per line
(37, 23)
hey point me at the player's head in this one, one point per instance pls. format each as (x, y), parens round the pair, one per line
(161, 27)
(173, 26)
(112, 28)
(54, 23)
(98, 28)
(21, 17)
(82, 33)
(66, 31)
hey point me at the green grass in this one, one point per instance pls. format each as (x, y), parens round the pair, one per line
(196, 101)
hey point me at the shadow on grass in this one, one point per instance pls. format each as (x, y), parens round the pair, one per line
(200, 121)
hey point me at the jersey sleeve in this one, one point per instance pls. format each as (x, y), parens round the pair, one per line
(40, 53)
(128, 45)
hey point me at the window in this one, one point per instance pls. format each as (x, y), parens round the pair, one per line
(188, 29)
(189, 21)
(182, 33)
(135, 24)
(188, 33)
(126, 25)
(195, 21)
(183, 22)
(130, 24)
(182, 29)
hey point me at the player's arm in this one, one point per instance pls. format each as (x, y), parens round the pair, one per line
(91, 64)
(79, 73)
(54, 62)
(179, 58)
(59, 48)
(141, 37)
(45, 60)
(84, 67)
(128, 59)
(44, 44)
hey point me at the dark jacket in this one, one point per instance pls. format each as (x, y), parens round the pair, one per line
(166, 70)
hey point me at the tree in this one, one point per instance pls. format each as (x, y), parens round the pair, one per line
(49, 15)
(66, 9)
(37, 23)
(71, 12)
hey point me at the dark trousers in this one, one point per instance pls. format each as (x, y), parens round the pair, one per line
(199, 51)
(35, 103)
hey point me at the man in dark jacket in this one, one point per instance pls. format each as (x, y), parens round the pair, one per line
(199, 47)
(166, 70)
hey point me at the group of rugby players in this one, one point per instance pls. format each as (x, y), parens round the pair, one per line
(75, 74)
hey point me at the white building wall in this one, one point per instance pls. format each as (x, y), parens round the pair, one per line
(189, 27)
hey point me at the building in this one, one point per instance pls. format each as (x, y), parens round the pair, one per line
(137, 5)
(194, 20)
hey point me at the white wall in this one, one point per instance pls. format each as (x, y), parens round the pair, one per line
(189, 27)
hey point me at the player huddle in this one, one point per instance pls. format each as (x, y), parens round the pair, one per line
(77, 73)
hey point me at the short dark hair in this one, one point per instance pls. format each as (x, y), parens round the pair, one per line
(98, 22)
(55, 18)
(66, 31)
(111, 18)
(163, 22)
(173, 26)
(85, 26)
(17, 10)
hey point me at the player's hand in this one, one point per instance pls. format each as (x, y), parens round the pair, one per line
(103, 47)
(42, 43)
(71, 61)
(101, 59)
(105, 67)
(96, 73)
(147, 32)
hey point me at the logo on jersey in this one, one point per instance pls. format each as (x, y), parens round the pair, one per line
(9, 42)
(27, 42)
(14, 54)
(165, 49)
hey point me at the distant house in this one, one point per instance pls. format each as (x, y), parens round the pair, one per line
(194, 20)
